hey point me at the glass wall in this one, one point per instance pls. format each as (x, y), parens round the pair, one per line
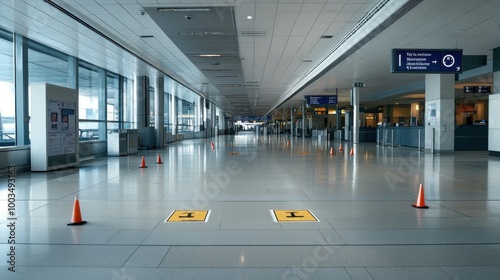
(113, 101)
(91, 112)
(129, 105)
(46, 65)
(107, 101)
(167, 100)
(7, 93)
(187, 114)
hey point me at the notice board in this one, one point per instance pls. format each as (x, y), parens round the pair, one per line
(54, 127)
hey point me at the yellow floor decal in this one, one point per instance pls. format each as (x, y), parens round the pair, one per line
(234, 154)
(188, 216)
(293, 216)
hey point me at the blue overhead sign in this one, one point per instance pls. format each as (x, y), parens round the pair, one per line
(426, 61)
(321, 99)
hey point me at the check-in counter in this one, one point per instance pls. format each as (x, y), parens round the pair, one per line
(467, 138)
(367, 134)
(407, 136)
(471, 138)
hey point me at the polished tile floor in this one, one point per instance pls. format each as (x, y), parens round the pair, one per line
(366, 227)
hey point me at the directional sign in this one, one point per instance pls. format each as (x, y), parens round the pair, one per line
(426, 61)
(293, 216)
(188, 216)
(321, 99)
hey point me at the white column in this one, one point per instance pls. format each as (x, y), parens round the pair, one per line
(440, 111)
(159, 112)
(303, 120)
(355, 120)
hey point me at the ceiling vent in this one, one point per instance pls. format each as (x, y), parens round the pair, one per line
(206, 33)
(194, 9)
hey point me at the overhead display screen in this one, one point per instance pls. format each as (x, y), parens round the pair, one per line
(321, 99)
(426, 61)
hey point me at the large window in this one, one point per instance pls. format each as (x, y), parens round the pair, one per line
(107, 101)
(46, 65)
(129, 104)
(91, 113)
(113, 101)
(167, 97)
(7, 93)
(151, 103)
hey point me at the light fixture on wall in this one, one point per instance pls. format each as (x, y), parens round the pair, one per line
(416, 107)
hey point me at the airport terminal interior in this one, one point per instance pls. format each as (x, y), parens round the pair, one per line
(250, 139)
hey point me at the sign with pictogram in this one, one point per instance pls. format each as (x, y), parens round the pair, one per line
(188, 216)
(293, 216)
(426, 61)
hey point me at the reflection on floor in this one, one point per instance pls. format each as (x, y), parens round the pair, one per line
(243, 214)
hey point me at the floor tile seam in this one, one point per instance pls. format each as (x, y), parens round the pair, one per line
(166, 254)
(352, 245)
(335, 230)
(345, 268)
(455, 211)
(130, 256)
(153, 229)
(113, 235)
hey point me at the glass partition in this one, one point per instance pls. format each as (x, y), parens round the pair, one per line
(7, 93)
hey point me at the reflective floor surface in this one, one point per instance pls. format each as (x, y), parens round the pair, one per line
(365, 225)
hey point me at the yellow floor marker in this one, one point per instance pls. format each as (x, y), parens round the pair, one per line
(188, 216)
(293, 216)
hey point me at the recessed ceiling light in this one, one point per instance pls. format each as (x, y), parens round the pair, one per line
(253, 33)
(249, 17)
(210, 55)
(184, 9)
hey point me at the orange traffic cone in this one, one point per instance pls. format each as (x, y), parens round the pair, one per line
(352, 151)
(158, 160)
(340, 147)
(212, 145)
(143, 163)
(76, 218)
(332, 153)
(420, 199)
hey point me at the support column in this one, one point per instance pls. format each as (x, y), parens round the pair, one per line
(493, 112)
(21, 90)
(303, 120)
(355, 121)
(347, 124)
(159, 112)
(440, 112)
(291, 122)
(338, 121)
